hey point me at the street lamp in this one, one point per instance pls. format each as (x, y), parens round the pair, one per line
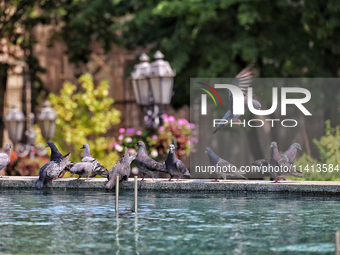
(46, 121)
(14, 122)
(152, 85)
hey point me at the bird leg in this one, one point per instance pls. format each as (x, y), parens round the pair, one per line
(238, 122)
(285, 179)
(87, 178)
(216, 180)
(177, 179)
(1, 176)
(52, 180)
(142, 179)
(170, 179)
(153, 179)
(78, 178)
(277, 180)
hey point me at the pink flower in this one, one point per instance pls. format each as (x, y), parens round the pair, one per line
(130, 130)
(192, 126)
(182, 122)
(165, 117)
(188, 126)
(154, 137)
(188, 142)
(171, 119)
(194, 139)
(120, 137)
(138, 132)
(121, 130)
(161, 128)
(113, 144)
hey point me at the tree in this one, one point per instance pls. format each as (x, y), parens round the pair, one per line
(284, 38)
(85, 117)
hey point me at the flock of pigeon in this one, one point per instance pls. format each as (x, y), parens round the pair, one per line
(89, 166)
(283, 163)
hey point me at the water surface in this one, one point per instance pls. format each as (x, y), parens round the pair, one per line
(84, 221)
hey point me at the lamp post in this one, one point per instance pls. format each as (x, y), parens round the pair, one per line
(152, 85)
(15, 122)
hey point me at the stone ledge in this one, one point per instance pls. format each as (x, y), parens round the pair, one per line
(333, 187)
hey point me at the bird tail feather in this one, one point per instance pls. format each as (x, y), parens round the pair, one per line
(112, 182)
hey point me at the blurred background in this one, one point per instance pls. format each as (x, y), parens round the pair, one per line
(86, 59)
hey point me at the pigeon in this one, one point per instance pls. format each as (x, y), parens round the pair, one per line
(243, 81)
(289, 155)
(51, 170)
(55, 154)
(145, 163)
(87, 164)
(226, 169)
(99, 169)
(280, 164)
(121, 169)
(5, 155)
(84, 168)
(174, 166)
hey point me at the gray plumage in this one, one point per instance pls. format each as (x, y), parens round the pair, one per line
(243, 80)
(55, 153)
(281, 164)
(51, 170)
(226, 169)
(84, 168)
(121, 169)
(174, 166)
(98, 169)
(5, 155)
(146, 164)
(289, 155)
(88, 165)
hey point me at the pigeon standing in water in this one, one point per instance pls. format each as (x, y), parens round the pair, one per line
(121, 169)
(5, 154)
(281, 163)
(243, 81)
(226, 169)
(87, 164)
(173, 165)
(55, 154)
(51, 170)
(145, 163)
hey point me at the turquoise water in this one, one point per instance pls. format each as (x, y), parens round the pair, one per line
(79, 221)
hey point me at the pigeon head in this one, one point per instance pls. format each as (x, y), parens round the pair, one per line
(140, 144)
(51, 145)
(208, 150)
(273, 145)
(296, 146)
(85, 146)
(171, 148)
(8, 147)
(256, 104)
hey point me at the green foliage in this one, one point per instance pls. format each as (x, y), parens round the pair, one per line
(85, 117)
(329, 145)
(329, 150)
(219, 38)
